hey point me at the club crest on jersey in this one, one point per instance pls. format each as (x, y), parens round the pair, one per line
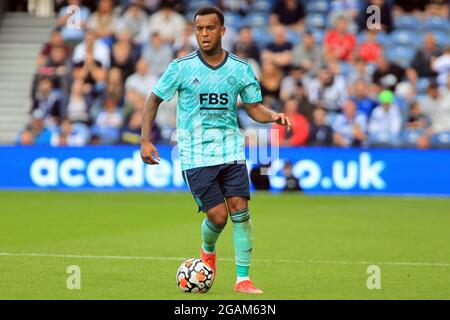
(196, 81)
(232, 80)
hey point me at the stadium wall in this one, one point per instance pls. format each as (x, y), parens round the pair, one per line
(320, 170)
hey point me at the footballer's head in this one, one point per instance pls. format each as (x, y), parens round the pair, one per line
(209, 29)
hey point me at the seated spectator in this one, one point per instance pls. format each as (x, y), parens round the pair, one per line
(239, 7)
(289, 83)
(307, 54)
(122, 58)
(158, 54)
(384, 6)
(114, 86)
(320, 134)
(35, 133)
(48, 102)
(108, 123)
(142, 81)
(73, 35)
(78, 107)
(306, 108)
(439, 8)
(441, 65)
(58, 66)
(360, 96)
(56, 39)
(350, 127)
(289, 13)
(385, 122)
(279, 51)
(71, 134)
(270, 82)
(166, 22)
(339, 43)
(416, 127)
(91, 72)
(246, 44)
(298, 135)
(93, 46)
(359, 69)
(131, 133)
(328, 90)
(187, 42)
(292, 183)
(436, 106)
(421, 63)
(370, 49)
(387, 75)
(104, 21)
(132, 21)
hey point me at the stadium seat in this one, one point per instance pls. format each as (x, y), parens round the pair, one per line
(442, 38)
(422, 85)
(400, 54)
(382, 38)
(293, 37)
(318, 35)
(233, 20)
(436, 24)
(257, 20)
(318, 7)
(405, 38)
(262, 37)
(194, 5)
(407, 22)
(261, 6)
(316, 21)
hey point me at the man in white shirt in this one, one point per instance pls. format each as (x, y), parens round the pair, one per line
(101, 51)
(142, 80)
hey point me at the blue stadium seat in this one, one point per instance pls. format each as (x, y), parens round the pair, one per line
(401, 55)
(436, 24)
(319, 6)
(316, 21)
(442, 38)
(262, 37)
(422, 85)
(405, 38)
(263, 6)
(293, 37)
(257, 20)
(233, 20)
(407, 22)
(318, 35)
(382, 38)
(194, 5)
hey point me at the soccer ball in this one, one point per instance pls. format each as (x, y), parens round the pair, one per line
(194, 275)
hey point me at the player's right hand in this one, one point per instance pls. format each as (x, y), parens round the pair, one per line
(149, 154)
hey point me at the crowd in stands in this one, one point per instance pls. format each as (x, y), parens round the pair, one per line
(345, 77)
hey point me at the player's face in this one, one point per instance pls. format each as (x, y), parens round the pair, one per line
(208, 32)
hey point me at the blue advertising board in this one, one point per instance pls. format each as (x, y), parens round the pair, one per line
(320, 170)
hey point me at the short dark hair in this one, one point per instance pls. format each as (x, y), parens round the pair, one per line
(210, 10)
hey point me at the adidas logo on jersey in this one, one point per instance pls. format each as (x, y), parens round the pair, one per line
(196, 81)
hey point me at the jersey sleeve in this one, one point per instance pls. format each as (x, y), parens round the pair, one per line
(251, 91)
(169, 82)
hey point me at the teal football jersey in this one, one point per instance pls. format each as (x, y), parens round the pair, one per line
(207, 127)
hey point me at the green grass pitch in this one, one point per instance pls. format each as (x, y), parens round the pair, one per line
(129, 246)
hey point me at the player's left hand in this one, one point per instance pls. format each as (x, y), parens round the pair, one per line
(282, 119)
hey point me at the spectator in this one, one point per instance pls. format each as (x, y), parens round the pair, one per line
(187, 42)
(441, 65)
(292, 183)
(328, 90)
(270, 82)
(115, 86)
(350, 127)
(71, 134)
(108, 123)
(48, 102)
(104, 21)
(142, 81)
(307, 54)
(36, 132)
(78, 107)
(339, 43)
(158, 54)
(289, 13)
(166, 22)
(241, 7)
(370, 49)
(246, 44)
(289, 83)
(364, 103)
(436, 106)
(122, 58)
(57, 40)
(359, 69)
(298, 136)
(437, 8)
(416, 127)
(131, 133)
(59, 67)
(132, 21)
(387, 75)
(320, 134)
(91, 72)
(421, 63)
(73, 35)
(93, 46)
(385, 121)
(279, 51)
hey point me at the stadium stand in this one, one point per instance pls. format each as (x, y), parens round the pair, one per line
(397, 70)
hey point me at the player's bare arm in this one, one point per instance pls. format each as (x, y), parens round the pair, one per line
(260, 113)
(149, 153)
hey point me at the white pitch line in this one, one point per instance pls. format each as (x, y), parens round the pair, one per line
(102, 257)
